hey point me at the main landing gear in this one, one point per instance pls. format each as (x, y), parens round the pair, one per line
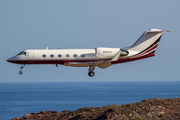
(20, 72)
(91, 71)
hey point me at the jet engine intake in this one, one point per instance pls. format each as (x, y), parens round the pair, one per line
(124, 53)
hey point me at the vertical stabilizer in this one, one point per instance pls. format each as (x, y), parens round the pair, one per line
(148, 41)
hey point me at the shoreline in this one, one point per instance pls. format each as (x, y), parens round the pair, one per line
(147, 109)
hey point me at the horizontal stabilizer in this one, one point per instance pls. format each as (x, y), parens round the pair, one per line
(158, 31)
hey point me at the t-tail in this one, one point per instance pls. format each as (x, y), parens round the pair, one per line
(147, 43)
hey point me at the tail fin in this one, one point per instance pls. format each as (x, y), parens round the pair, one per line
(148, 41)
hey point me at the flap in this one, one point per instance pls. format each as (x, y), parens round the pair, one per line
(104, 65)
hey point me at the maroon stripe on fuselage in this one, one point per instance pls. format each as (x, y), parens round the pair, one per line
(132, 59)
(62, 62)
(152, 49)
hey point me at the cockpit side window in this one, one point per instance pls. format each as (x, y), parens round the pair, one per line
(22, 53)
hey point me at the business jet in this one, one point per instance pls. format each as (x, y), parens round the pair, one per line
(102, 57)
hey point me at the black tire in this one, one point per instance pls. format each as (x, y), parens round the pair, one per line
(20, 72)
(91, 74)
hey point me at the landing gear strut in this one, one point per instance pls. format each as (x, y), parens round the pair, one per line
(91, 71)
(20, 72)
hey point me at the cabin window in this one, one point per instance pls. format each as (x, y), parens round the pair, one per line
(83, 55)
(67, 55)
(43, 55)
(51, 55)
(75, 55)
(59, 55)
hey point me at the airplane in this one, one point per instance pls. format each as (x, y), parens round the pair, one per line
(102, 57)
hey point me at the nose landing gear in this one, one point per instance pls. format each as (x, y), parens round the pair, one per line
(20, 72)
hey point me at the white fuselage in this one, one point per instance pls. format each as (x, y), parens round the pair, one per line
(102, 57)
(63, 56)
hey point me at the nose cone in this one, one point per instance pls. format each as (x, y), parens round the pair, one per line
(18, 59)
(13, 59)
(10, 59)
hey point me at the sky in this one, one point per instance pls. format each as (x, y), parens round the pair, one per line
(76, 24)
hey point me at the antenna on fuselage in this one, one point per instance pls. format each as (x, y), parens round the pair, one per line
(47, 48)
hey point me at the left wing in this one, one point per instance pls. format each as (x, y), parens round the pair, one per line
(106, 64)
(101, 64)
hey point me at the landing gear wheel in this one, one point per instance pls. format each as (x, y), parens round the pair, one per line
(20, 72)
(91, 73)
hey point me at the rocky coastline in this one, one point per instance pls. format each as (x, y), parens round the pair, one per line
(148, 109)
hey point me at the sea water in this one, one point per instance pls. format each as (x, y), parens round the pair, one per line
(18, 99)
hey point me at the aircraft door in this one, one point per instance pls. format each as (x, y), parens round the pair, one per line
(31, 57)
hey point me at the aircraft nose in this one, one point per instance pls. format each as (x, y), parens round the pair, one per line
(9, 60)
(16, 59)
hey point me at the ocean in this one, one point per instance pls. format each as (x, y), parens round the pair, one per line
(18, 99)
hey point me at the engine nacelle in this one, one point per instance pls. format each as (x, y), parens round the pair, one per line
(124, 53)
(102, 52)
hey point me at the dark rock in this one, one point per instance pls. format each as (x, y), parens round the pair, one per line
(159, 109)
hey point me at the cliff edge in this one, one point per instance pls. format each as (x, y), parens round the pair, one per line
(148, 109)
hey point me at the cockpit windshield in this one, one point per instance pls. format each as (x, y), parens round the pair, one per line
(22, 53)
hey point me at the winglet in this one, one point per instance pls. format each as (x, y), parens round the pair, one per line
(116, 56)
(47, 48)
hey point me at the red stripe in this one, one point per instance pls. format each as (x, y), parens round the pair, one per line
(153, 48)
(62, 62)
(132, 59)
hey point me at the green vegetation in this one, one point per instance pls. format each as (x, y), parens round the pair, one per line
(125, 119)
(162, 115)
